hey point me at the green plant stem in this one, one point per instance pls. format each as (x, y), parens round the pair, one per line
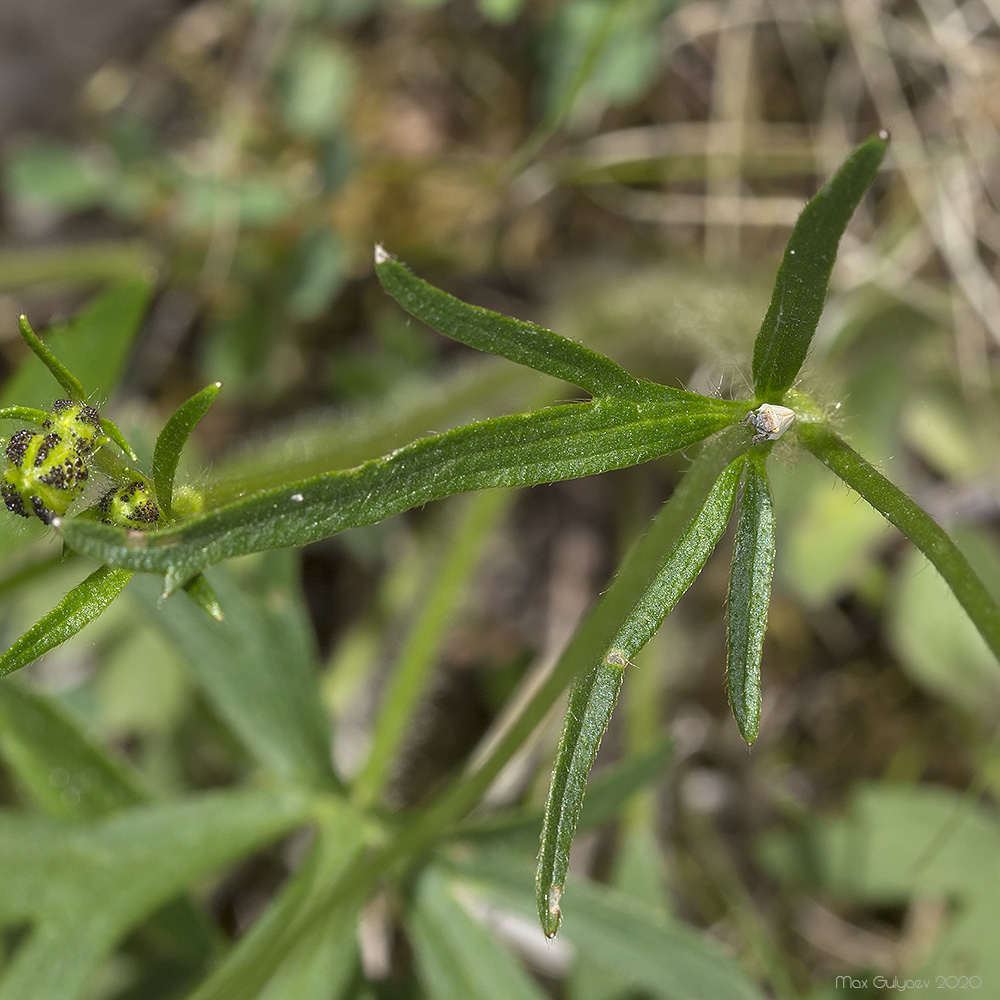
(79, 264)
(420, 651)
(913, 521)
(69, 382)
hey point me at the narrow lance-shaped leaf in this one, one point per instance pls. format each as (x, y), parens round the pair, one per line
(525, 343)
(171, 441)
(595, 635)
(914, 522)
(594, 693)
(59, 371)
(166, 454)
(800, 288)
(93, 347)
(79, 607)
(200, 591)
(113, 432)
(749, 594)
(562, 442)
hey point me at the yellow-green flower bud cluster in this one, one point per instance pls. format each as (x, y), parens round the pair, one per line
(47, 469)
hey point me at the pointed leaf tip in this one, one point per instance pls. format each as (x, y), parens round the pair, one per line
(552, 917)
(381, 254)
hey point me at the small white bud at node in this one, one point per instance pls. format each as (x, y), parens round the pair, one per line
(769, 421)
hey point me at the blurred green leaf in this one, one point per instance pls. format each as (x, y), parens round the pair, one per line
(67, 775)
(642, 948)
(827, 538)
(254, 202)
(320, 959)
(608, 52)
(938, 426)
(936, 643)
(76, 263)
(895, 844)
(632, 54)
(501, 11)
(82, 887)
(57, 175)
(316, 86)
(94, 345)
(458, 958)
(319, 271)
(257, 668)
(61, 768)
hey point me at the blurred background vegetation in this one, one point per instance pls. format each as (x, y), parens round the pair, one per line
(625, 173)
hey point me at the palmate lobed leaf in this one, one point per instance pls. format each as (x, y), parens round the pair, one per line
(562, 442)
